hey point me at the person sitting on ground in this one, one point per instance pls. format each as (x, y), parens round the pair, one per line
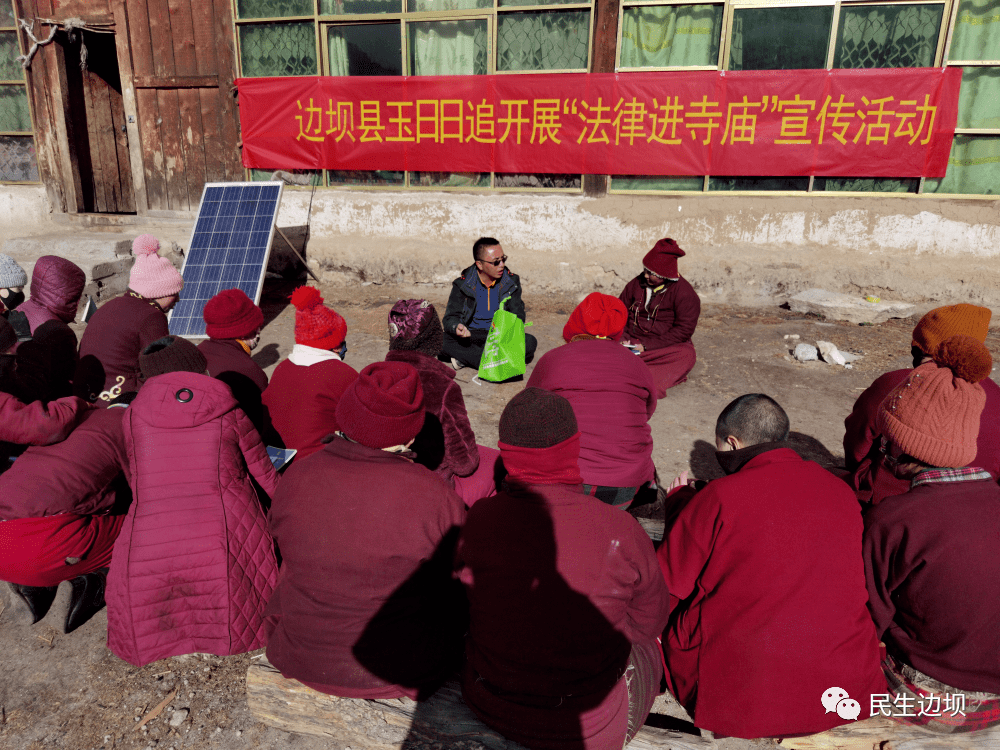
(565, 596)
(663, 310)
(613, 396)
(931, 557)
(301, 401)
(123, 327)
(34, 422)
(233, 323)
(871, 480)
(475, 296)
(194, 563)
(58, 508)
(13, 279)
(47, 345)
(446, 443)
(366, 606)
(766, 581)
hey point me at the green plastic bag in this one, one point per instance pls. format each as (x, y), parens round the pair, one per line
(503, 354)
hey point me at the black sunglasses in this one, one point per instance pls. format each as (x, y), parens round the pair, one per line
(497, 262)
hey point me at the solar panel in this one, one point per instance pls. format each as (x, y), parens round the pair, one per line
(229, 248)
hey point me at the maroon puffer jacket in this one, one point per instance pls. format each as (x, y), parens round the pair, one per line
(74, 476)
(56, 286)
(194, 564)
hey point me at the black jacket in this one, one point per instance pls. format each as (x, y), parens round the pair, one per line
(462, 302)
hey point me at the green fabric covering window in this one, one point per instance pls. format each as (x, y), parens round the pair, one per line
(780, 38)
(17, 159)
(758, 183)
(422, 6)
(979, 101)
(342, 7)
(381, 178)
(973, 167)
(977, 29)
(365, 50)
(278, 49)
(14, 113)
(273, 8)
(556, 40)
(10, 68)
(865, 185)
(666, 36)
(643, 182)
(7, 14)
(888, 36)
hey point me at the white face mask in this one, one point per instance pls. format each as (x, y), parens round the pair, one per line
(252, 343)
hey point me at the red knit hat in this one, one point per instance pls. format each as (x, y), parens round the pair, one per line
(934, 415)
(315, 325)
(383, 406)
(662, 259)
(599, 315)
(953, 320)
(230, 314)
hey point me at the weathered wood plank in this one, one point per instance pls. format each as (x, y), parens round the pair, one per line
(160, 35)
(176, 82)
(652, 527)
(442, 721)
(126, 190)
(226, 102)
(129, 107)
(152, 149)
(203, 21)
(192, 144)
(173, 153)
(215, 169)
(96, 115)
(139, 35)
(882, 733)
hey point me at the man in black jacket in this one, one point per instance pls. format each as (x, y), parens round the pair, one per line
(475, 296)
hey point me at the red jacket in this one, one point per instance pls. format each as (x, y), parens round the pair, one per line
(73, 476)
(365, 606)
(560, 586)
(56, 286)
(766, 578)
(870, 480)
(449, 443)
(932, 560)
(229, 362)
(194, 563)
(38, 423)
(670, 317)
(111, 345)
(613, 396)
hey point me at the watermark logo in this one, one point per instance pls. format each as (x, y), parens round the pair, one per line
(837, 700)
(932, 705)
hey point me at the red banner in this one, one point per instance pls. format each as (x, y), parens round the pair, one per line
(850, 123)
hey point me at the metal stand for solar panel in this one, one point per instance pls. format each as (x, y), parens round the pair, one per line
(289, 179)
(230, 246)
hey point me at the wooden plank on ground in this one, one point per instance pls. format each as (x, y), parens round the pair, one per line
(881, 733)
(442, 721)
(173, 152)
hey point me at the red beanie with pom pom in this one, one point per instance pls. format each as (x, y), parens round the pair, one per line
(231, 314)
(662, 259)
(934, 414)
(316, 325)
(599, 315)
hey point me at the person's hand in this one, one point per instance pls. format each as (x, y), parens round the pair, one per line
(638, 348)
(680, 481)
(462, 331)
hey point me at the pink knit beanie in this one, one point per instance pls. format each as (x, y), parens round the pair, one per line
(152, 276)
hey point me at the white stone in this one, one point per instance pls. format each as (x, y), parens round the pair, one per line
(837, 306)
(806, 353)
(830, 353)
(178, 717)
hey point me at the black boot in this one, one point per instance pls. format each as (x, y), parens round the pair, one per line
(38, 599)
(87, 598)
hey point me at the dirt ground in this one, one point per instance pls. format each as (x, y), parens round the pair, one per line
(64, 691)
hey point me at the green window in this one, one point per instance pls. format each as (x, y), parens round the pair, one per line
(18, 160)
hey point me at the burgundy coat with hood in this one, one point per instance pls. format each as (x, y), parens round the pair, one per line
(443, 399)
(194, 563)
(613, 396)
(56, 286)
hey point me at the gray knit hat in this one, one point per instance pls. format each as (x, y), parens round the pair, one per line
(11, 274)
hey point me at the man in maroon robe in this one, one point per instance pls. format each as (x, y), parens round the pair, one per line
(872, 482)
(663, 311)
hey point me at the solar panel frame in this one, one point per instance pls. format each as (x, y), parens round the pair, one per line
(226, 226)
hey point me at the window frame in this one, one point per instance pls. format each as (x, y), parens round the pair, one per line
(23, 84)
(491, 14)
(945, 33)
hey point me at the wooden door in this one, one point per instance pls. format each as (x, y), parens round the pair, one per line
(99, 140)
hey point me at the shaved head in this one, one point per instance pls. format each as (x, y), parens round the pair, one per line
(753, 419)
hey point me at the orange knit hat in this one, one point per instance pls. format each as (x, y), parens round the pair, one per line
(942, 323)
(934, 415)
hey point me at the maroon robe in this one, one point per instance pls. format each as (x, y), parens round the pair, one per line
(664, 327)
